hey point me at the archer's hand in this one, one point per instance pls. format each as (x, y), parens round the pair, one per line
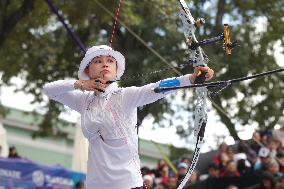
(198, 70)
(96, 85)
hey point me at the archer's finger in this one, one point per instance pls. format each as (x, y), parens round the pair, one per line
(197, 70)
(100, 80)
(210, 72)
(99, 90)
(203, 69)
(99, 87)
(209, 75)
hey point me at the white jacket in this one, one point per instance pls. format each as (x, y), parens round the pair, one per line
(108, 122)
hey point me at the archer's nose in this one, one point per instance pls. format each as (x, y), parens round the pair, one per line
(105, 64)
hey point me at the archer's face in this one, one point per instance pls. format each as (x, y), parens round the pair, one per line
(103, 67)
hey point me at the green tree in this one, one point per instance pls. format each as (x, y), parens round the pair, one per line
(35, 46)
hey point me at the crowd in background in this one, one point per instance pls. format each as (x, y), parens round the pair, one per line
(262, 156)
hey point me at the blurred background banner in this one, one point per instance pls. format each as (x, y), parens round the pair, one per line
(7, 184)
(25, 174)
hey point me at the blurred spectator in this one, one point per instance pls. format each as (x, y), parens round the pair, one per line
(273, 146)
(165, 175)
(263, 162)
(256, 142)
(160, 165)
(279, 134)
(245, 148)
(280, 183)
(274, 168)
(13, 152)
(182, 170)
(242, 156)
(224, 158)
(243, 168)
(154, 173)
(230, 153)
(232, 187)
(80, 185)
(160, 186)
(223, 148)
(172, 182)
(145, 171)
(264, 135)
(231, 170)
(158, 171)
(148, 181)
(267, 181)
(280, 158)
(194, 178)
(186, 160)
(213, 170)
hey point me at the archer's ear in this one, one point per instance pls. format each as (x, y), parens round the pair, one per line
(87, 70)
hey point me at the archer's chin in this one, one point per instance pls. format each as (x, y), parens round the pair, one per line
(108, 77)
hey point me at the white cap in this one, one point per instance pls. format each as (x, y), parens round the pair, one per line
(149, 178)
(182, 165)
(101, 50)
(263, 152)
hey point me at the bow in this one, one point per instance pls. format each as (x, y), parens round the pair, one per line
(198, 58)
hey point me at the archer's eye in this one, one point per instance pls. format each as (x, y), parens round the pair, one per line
(110, 60)
(98, 61)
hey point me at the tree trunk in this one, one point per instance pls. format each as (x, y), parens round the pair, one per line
(219, 16)
(8, 22)
(226, 120)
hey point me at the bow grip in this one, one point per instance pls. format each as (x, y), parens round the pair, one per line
(200, 78)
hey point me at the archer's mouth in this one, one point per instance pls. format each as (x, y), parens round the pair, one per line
(105, 72)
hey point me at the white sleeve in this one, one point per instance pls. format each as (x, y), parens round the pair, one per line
(134, 97)
(63, 91)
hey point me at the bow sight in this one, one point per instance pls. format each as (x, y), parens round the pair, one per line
(225, 37)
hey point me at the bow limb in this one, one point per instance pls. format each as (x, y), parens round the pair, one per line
(198, 58)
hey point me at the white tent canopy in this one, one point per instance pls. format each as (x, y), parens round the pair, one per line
(80, 151)
(3, 142)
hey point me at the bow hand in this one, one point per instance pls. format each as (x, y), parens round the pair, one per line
(201, 74)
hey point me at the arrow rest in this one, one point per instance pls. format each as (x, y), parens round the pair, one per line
(199, 22)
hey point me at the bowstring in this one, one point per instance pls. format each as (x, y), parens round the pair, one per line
(115, 23)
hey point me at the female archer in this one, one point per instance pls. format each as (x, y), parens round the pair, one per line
(109, 115)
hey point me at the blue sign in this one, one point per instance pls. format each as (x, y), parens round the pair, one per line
(25, 174)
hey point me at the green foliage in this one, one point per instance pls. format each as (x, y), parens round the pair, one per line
(38, 49)
(176, 153)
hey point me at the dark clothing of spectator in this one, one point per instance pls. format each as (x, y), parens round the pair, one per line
(80, 185)
(267, 181)
(230, 174)
(242, 168)
(254, 146)
(213, 170)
